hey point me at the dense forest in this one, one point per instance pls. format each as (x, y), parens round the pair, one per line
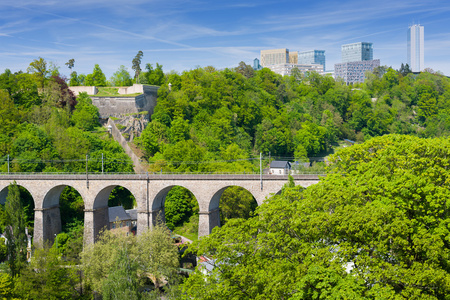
(233, 115)
(209, 120)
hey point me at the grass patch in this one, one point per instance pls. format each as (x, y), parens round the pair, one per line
(112, 92)
(189, 229)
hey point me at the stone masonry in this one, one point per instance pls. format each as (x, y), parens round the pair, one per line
(121, 105)
(150, 192)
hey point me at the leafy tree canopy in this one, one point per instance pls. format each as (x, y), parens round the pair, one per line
(376, 226)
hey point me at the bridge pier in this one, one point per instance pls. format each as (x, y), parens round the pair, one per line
(207, 221)
(148, 219)
(47, 224)
(95, 220)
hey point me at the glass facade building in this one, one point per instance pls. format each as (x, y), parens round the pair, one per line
(312, 57)
(353, 72)
(415, 51)
(357, 52)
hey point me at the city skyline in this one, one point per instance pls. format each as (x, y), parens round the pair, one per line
(183, 35)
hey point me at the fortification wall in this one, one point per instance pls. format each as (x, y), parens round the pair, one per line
(91, 90)
(119, 106)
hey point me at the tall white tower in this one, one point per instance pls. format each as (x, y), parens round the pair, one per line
(416, 48)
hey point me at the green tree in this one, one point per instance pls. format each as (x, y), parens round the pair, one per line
(179, 206)
(154, 76)
(96, 78)
(151, 255)
(40, 69)
(245, 70)
(137, 65)
(9, 115)
(236, 202)
(48, 274)
(15, 231)
(70, 64)
(85, 115)
(121, 77)
(375, 227)
(158, 254)
(122, 282)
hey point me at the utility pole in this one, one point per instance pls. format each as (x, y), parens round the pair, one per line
(8, 163)
(102, 163)
(260, 169)
(87, 178)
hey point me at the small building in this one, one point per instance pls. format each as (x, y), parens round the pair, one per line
(119, 220)
(280, 167)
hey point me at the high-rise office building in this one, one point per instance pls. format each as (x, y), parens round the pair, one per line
(274, 56)
(416, 48)
(312, 57)
(357, 52)
(357, 59)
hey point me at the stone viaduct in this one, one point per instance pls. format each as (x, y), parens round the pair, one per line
(150, 191)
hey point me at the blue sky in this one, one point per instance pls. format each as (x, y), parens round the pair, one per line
(184, 34)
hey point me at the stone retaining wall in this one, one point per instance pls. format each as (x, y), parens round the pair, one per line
(123, 142)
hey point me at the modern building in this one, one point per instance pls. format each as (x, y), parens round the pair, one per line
(293, 57)
(353, 72)
(312, 57)
(357, 59)
(286, 69)
(274, 57)
(416, 48)
(357, 52)
(256, 65)
(278, 56)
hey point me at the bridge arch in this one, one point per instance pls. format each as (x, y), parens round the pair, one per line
(158, 201)
(97, 213)
(49, 212)
(28, 203)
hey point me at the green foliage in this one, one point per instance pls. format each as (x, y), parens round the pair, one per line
(85, 115)
(96, 78)
(15, 230)
(121, 282)
(39, 68)
(3, 250)
(137, 65)
(154, 76)
(375, 227)
(179, 206)
(121, 77)
(6, 286)
(120, 196)
(236, 202)
(151, 255)
(47, 274)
